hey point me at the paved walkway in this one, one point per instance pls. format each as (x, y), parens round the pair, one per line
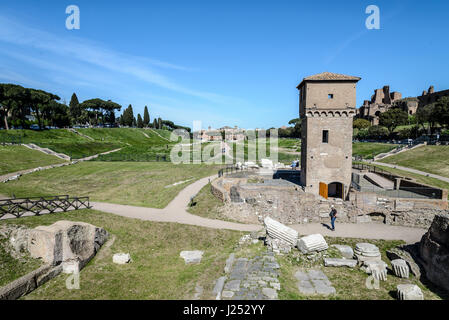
(394, 166)
(175, 211)
(363, 230)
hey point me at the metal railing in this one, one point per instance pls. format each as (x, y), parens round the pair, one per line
(41, 205)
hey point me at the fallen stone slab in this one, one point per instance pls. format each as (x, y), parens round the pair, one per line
(345, 250)
(409, 292)
(311, 243)
(121, 258)
(305, 287)
(192, 256)
(334, 262)
(277, 230)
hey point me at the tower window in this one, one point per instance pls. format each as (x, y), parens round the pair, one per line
(330, 96)
(325, 136)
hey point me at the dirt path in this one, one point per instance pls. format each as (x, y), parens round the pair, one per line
(176, 212)
(394, 166)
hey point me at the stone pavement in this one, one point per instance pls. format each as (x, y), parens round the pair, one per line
(253, 279)
(314, 282)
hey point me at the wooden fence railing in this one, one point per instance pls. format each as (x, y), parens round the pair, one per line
(42, 205)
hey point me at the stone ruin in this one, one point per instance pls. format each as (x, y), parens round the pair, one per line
(434, 251)
(65, 246)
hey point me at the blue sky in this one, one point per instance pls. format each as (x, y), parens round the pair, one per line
(221, 62)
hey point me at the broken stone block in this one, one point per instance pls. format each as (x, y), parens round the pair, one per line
(378, 269)
(192, 256)
(66, 241)
(345, 250)
(311, 243)
(277, 230)
(365, 252)
(121, 258)
(409, 292)
(333, 262)
(400, 268)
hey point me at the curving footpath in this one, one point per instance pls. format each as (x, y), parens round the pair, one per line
(394, 166)
(176, 212)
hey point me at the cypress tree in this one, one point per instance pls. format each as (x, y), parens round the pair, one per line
(139, 121)
(146, 117)
(74, 109)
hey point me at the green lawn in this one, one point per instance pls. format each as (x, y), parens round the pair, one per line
(156, 271)
(133, 183)
(16, 158)
(368, 150)
(432, 159)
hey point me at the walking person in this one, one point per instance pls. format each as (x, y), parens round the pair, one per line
(333, 215)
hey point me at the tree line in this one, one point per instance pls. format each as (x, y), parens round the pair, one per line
(23, 107)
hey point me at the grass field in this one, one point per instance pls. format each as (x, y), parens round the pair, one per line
(156, 271)
(432, 159)
(133, 183)
(368, 150)
(16, 158)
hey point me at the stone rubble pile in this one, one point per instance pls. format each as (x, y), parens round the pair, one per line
(365, 252)
(409, 292)
(400, 268)
(313, 242)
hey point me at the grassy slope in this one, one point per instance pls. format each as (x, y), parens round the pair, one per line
(432, 159)
(61, 140)
(16, 158)
(349, 283)
(368, 149)
(156, 270)
(133, 183)
(138, 144)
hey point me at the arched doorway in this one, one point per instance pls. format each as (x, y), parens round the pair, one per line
(335, 190)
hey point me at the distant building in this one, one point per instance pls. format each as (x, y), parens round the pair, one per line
(431, 96)
(382, 100)
(230, 134)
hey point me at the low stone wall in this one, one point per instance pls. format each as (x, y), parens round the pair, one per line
(218, 191)
(29, 282)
